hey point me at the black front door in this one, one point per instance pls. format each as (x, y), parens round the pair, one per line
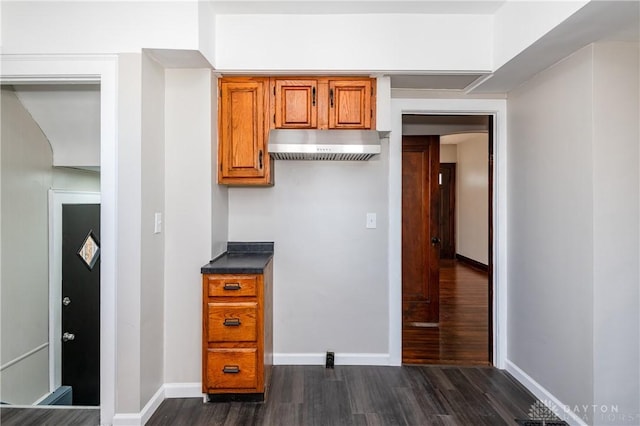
(81, 302)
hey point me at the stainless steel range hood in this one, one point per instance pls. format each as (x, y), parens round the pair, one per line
(346, 145)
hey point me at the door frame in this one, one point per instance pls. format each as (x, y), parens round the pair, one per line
(452, 197)
(493, 107)
(101, 69)
(56, 199)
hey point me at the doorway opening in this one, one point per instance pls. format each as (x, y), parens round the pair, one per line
(52, 140)
(447, 201)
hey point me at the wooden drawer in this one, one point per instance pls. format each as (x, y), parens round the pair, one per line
(233, 286)
(232, 368)
(232, 322)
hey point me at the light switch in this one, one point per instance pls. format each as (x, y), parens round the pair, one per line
(157, 227)
(371, 220)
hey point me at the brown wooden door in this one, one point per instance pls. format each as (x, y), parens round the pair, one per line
(350, 104)
(420, 240)
(447, 232)
(295, 103)
(243, 112)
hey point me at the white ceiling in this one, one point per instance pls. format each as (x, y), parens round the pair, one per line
(69, 116)
(313, 7)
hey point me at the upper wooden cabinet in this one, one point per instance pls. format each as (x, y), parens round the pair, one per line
(323, 103)
(249, 106)
(243, 111)
(350, 104)
(295, 104)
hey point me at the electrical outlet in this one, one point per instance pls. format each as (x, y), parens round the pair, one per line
(330, 359)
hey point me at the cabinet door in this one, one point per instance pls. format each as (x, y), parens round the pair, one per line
(243, 111)
(350, 104)
(295, 103)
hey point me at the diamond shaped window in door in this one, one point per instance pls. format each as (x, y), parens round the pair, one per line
(90, 250)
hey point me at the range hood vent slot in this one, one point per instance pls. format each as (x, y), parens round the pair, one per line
(321, 157)
(323, 145)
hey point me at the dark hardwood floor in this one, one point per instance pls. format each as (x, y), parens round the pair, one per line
(42, 416)
(364, 395)
(462, 336)
(346, 395)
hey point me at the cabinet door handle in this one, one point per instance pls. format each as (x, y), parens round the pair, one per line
(260, 159)
(231, 369)
(232, 286)
(313, 96)
(231, 322)
(331, 97)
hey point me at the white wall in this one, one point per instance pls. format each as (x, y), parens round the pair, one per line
(518, 24)
(153, 259)
(128, 302)
(43, 27)
(27, 175)
(367, 42)
(330, 272)
(616, 251)
(472, 197)
(188, 218)
(573, 230)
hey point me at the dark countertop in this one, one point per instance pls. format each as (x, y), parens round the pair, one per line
(241, 258)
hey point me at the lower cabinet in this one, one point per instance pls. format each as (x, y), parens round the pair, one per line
(237, 338)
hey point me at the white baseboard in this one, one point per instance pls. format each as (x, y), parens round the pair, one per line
(194, 390)
(139, 419)
(183, 390)
(340, 359)
(544, 395)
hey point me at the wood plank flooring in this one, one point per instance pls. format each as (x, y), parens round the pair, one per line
(344, 396)
(42, 416)
(365, 395)
(462, 336)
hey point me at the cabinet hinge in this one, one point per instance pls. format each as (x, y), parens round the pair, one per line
(274, 90)
(221, 92)
(274, 119)
(220, 166)
(371, 90)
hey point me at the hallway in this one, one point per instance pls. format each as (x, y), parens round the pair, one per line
(462, 335)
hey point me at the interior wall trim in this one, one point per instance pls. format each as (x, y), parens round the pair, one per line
(546, 397)
(341, 358)
(183, 390)
(141, 418)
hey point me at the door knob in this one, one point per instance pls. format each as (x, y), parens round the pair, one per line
(66, 301)
(435, 241)
(68, 336)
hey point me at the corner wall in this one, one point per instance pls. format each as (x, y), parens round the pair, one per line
(573, 234)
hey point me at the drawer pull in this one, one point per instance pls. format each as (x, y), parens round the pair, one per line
(232, 286)
(231, 322)
(231, 369)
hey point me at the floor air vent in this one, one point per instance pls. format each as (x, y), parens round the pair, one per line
(529, 422)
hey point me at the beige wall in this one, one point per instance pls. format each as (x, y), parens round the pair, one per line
(472, 197)
(27, 176)
(448, 152)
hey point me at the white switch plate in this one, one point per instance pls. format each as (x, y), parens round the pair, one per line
(371, 220)
(157, 225)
